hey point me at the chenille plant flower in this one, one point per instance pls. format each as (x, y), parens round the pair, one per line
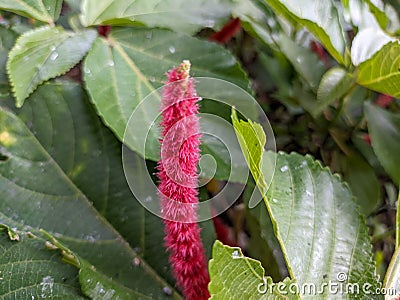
(178, 181)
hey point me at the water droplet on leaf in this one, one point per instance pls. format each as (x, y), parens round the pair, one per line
(235, 254)
(284, 168)
(167, 291)
(47, 286)
(209, 23)
(53, 56)
(91, 238)
(149, 35)
(136, 261)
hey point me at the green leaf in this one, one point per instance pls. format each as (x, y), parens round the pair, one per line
(183, 16)
(29, 271)
(334, 84)
(360, 15)
(44, 53)
(90, 156)
(38, 193)
(316, 221)
(43, 10)
(74, 5)
(384, 129)
(394, 21)
(358, 140)
(305, 62)
(253, 19)
(252, 140)
(121, 71)
(97, 286)
(262, 243)
(367, 43)
(363, 183)
(93, 283)
(320, 18)
(377, 9)
(234, 276)
(7, 40)
(59, 116)
(381, 72)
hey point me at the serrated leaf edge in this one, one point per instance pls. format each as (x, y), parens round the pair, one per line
(20, 102)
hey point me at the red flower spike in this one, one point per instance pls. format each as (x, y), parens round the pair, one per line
(104, 30)
(224, 232)
(320, 52)
(383, 100)
(177, 173)
(227, 32)
(367, 139)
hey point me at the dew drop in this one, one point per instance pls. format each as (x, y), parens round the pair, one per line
(90, 238)
(152, 79)
(136, 261)
(53, 48)
(235, 254)
(148, 199)
(209, 23)
(110, 63)
(172, 49)
(271, 22)
(274, 200)
(47, 286)
(53, 56)
(284, 168)
(299, 59)
(149, 35)
(87, 72)
(167, 291)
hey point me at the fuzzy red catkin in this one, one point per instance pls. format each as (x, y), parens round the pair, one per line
(177, 173)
